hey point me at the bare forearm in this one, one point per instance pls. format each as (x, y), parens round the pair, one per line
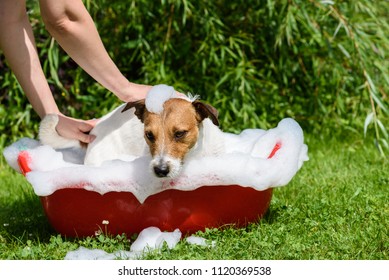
(71, 25)
(18, 45)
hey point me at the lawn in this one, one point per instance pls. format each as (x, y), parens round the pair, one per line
(336, 207)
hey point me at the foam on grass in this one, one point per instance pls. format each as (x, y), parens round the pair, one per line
(149, 239)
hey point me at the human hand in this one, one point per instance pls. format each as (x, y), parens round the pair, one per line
(75, 129)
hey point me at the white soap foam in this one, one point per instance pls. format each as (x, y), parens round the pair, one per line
(152, 238)
(83, 253)
(149, 239)
(245, 163)
(11, 153)
(200, 241)
(157, 96)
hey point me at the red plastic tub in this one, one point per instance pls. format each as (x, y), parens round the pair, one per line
(74, 211)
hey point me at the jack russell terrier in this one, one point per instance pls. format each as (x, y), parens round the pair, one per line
(169, 127)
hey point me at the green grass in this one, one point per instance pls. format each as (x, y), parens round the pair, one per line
(336, 207)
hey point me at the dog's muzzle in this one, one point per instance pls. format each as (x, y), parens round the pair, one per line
(166, 166)
(161, 170)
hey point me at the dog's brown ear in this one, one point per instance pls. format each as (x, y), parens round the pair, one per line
(206, 111)
(140, 108)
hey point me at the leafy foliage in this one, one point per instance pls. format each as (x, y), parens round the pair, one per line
(323, 63)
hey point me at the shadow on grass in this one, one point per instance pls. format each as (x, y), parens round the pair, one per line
(23, 219)
(273, 213)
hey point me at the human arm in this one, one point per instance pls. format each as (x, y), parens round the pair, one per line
(18, 44)
(71, 25)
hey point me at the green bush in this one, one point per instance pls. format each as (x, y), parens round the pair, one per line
(323, 63)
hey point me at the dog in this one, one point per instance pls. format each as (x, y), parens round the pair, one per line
(174, 130)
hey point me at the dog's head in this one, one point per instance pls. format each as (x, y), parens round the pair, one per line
(173, 132)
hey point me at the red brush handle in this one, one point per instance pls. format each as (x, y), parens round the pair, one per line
(277, 146)
(24, 160)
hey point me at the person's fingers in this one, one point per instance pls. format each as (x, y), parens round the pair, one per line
(85, 126)
(75, 129)
(85, 138)
(92, 122)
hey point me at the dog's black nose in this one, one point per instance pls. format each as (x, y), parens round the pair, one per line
(161, 171)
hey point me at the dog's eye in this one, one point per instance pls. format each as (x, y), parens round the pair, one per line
(150, 136)
(180, 134)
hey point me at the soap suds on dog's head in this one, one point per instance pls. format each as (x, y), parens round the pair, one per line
(157, 96)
